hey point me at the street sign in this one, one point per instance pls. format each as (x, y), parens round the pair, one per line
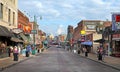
(33, 31)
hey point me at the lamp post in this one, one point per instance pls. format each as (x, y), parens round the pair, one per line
(100, 29)
(34, 33)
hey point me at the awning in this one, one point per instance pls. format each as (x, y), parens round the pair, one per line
(24, 37)
(16, 39)
(5, 32)
(99, 40)
(28, 37)
(87, 43)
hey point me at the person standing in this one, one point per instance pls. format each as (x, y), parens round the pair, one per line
(15, 53)
(10, 50)
(28, 50)
(100, 53)
(86, 52)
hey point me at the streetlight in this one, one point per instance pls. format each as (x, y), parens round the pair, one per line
(34, 32)
(100, 29)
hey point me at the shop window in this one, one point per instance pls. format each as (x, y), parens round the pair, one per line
(117, 44)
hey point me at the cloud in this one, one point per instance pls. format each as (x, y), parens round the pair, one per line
(67, 6)
(65, 12)
(60, 29)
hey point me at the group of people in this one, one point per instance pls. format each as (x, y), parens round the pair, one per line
(16, 51)
(101, 52)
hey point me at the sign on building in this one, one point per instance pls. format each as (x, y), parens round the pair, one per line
(116, 21)
(33, 31)
(17, 30)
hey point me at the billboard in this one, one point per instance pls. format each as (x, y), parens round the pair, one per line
(115, 21)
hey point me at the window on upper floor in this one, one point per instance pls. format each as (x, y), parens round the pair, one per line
(13, 18)
(91, 27)
(9, 13)
(14, 1)
(1, 10)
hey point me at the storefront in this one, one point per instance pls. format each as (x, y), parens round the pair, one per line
(5, 36)
(116, 43)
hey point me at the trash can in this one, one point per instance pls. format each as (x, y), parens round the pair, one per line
(33, 52)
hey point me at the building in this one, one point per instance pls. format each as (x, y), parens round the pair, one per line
(89, 27)
(25, 26)
(8, 21)
(8, 13)
(62, 37)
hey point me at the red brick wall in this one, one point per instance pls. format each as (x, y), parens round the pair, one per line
(23, 22)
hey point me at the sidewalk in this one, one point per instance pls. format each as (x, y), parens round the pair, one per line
(108, 60)
(8, 61)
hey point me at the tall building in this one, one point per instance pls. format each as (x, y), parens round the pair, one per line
(8, 13)
(8, 21)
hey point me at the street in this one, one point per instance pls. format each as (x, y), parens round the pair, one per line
(58, 60)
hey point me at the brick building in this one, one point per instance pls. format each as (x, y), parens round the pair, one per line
(89, 26)
(25, 26)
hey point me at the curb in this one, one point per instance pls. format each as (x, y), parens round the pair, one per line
(1, 69)
(103, 63)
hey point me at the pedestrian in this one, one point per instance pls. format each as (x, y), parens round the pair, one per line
(19, 50)
(103, 54)
(15, 53)
(86, 52)
(78, 51)
(28, 50)
(99, 53)
(10, 50)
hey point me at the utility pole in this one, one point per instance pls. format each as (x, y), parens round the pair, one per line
(34, 32)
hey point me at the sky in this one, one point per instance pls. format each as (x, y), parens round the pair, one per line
(58, 14)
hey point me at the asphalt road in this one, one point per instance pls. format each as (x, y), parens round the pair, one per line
(59, 60)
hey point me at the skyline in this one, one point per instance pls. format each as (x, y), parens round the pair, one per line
(58, 14)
